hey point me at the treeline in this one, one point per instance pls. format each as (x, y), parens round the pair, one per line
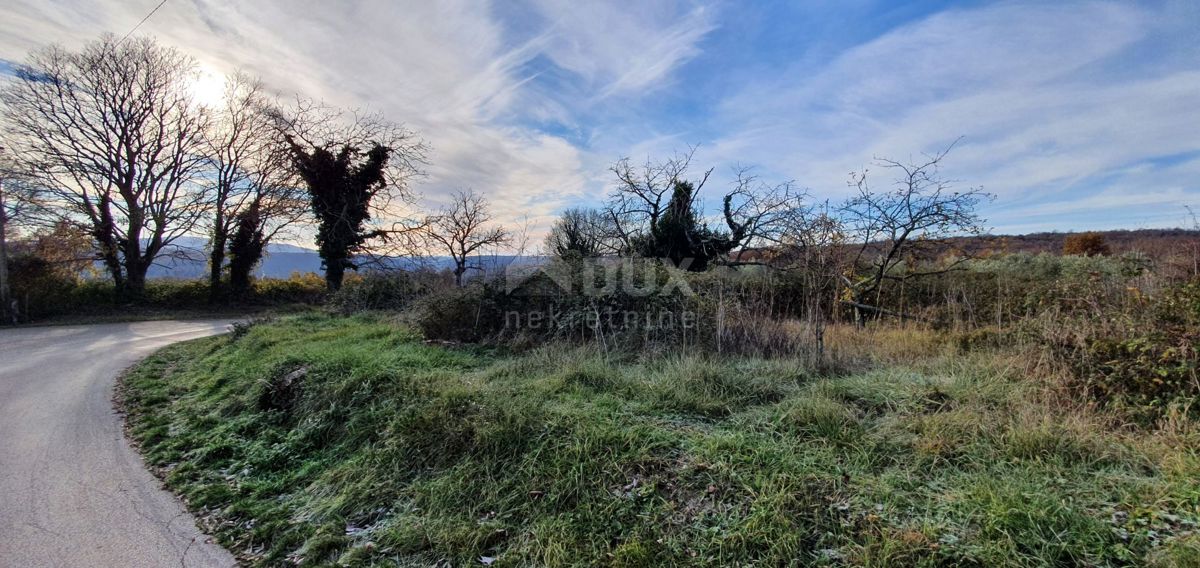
(109, 145)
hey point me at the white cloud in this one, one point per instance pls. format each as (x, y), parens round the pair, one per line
(442, 68)
(449, 69)
(1040, 94)
(621, 48)
(1144, 194)
(1047, 96)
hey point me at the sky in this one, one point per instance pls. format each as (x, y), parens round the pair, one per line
(1075, 115)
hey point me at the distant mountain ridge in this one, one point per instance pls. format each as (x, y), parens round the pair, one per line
(187, 258)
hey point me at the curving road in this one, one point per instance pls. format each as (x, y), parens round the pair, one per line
(72, 491)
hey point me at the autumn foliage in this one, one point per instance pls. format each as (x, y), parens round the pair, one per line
(1086, 244)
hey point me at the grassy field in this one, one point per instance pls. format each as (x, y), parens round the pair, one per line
(348, 441)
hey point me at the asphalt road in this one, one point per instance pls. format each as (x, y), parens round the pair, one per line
(72, 491)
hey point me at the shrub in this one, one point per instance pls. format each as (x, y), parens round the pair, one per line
(177, 293)
(628, 304)
(1006, 289)
(1086, 244)
(567, 301)
(44, 292)
(377, 291)
(454, 314)
(39, 289)
(1141, 357)
(299, 288)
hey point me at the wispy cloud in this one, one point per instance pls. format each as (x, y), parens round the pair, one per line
(1065, 106)
(622, 48)
(449, 69)
(1048, 99)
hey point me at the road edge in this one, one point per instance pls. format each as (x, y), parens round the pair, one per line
(201, 519)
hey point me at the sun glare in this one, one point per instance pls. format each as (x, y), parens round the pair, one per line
(209, 87)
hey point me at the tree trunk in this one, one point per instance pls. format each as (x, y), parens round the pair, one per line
(860, 313)
(135, 264)
(5, 291)
(113, 264)
(135, 279)
(335, 271)
(216, 261)
(103, 232)
(239, 279)
(241, 267)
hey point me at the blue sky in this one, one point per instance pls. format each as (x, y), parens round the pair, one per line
(1075, 114)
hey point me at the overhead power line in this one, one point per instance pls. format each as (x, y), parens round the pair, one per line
(139, 24)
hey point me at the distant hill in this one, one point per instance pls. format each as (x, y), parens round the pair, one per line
(1152, 242)
(188, 260)
(1155, 243)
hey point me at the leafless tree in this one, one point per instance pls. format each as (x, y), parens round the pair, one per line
(250, 178)
(644, 192)
(519, 238)
(812, 243)
(656, 210)
(583, 232)
(462, 229)
(761, 214)
(113, 134)
(893, 228)
(8, 213)
(23, 213)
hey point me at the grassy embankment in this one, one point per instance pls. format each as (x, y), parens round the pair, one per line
(325, 440)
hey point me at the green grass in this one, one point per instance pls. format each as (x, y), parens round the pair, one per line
(382, 450)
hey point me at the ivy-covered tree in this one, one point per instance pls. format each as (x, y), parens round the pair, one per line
(341, 183)
(356, 173)
(248, 168)
(656, 212)
(680, 235)
(245, 248)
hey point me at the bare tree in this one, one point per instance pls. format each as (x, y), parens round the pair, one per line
(811, 242)
(254, 192)
(463, 228)
(893, 228)
(656, 211)
(23, 215)
(5, 216)
(113, 134)
(760, 214)
(643, 194)
(356, 168)
(583, 232)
